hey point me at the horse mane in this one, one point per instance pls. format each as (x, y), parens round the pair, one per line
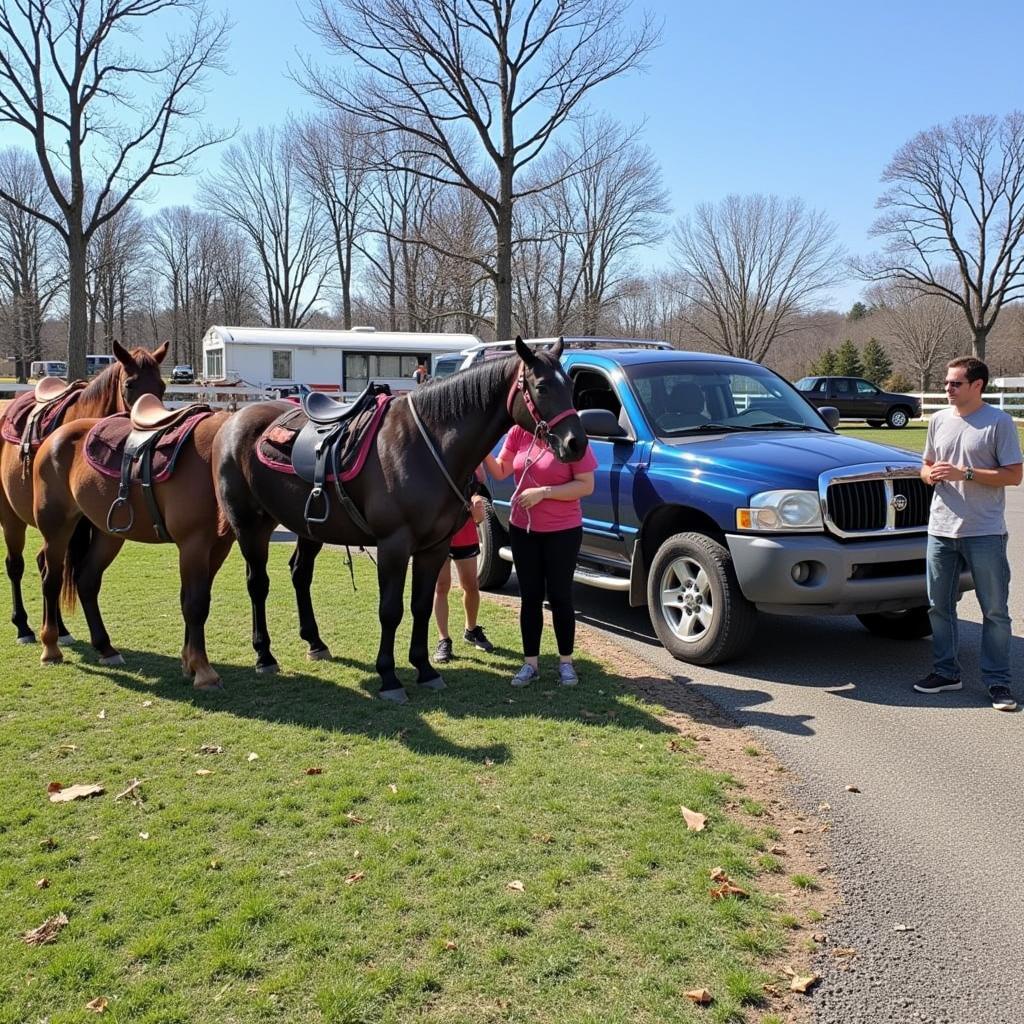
(465, 392)
(104, 390)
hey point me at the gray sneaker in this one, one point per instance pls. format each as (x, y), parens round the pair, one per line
(526, 675)
(567, 674)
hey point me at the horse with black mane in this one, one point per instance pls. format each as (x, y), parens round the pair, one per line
(409, 493)
(114, 390)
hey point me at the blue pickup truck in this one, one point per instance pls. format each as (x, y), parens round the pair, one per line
(720, 491)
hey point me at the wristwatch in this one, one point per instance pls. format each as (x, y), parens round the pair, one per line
(968, 473)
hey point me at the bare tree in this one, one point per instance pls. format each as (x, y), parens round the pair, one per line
(114, 276)
(752, 265)
(259, 190)
(334, 160)
(482, 87)
(30, 275)
(235, 275)
(72, 76)
(957, 200)
(926, 329)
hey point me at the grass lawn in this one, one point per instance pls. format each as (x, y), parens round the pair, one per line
(243, 888)
(912, 436)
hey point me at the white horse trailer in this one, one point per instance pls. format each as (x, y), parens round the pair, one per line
(279, 359)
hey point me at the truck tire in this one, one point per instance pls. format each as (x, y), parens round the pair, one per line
(876, 423)
(695, 602)
(492, 570)
(898, 417)
(910, 624)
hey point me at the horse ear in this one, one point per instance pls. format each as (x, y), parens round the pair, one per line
(556, 349)
(124, 357)
(525, 352)
(159, 353)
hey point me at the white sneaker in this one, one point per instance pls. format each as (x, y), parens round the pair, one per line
(567, 674)
(526, 675)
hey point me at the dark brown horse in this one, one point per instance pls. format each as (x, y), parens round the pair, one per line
(135, 373)
(402, 493)
(72, 501)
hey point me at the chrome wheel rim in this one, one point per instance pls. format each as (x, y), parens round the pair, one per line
(899, 419)
(686, 600)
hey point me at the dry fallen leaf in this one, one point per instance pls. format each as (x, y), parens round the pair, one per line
(253, 757)
(354, 819)
(820, 937)
(79, 792)
(98, 1005)
(852, 789)
(147, 703)
(314, 771)
(47, 932)
(203, 771)
(356, 876)
(779, 851)
(49, 843)
(215, 865)
(673, 746)
(66, 748)
(719, 875)
(823, 807)
(694, 821)
(102, 715)
(701, 996)
(392, 787)
(516, 886)
(796, 831)
(843, 951)
(54, 787)
(43, 883)
(143, 835)
(727, 889)
(800, 982)
(451, 945)
(488, 762)
(209, 748)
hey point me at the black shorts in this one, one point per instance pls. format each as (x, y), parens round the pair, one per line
(457, 554)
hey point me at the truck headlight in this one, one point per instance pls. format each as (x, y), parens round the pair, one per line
(781, 511)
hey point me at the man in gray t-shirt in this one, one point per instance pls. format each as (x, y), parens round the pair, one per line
(972, 454)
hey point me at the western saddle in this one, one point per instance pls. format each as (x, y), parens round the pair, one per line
(49, 391)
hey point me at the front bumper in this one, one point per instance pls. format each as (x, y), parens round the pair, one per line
(843, 579)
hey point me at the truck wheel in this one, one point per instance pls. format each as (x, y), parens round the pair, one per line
(876, 423)
(492, 570)
(695, 601)
(910, 624)
(898, 417)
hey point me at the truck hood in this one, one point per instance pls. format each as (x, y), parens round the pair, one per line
(763, 460)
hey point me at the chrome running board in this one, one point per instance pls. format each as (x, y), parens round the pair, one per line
(588, 577)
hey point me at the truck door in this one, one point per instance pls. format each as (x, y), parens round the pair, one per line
(843, 396)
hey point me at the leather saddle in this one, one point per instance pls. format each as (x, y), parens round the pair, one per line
(327, 442)
(52, 389)
(151, 421)
(49, 393)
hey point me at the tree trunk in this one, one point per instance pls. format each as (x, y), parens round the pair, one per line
(503, 254)
(78, 306)
(980, 338)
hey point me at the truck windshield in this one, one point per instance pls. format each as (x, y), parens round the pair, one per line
(704, 397)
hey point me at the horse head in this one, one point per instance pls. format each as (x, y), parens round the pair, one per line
(541, 399)
(139, 372)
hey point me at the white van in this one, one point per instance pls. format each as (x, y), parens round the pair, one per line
(48, 368)
(98, 363)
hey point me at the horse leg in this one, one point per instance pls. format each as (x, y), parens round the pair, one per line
(103, 549)
(55, 545)
(426, 565)
(219, 551)
(301, 564)
(195, 565)
(64, 637)
(14, 536)
(392, 565)
(254, 541)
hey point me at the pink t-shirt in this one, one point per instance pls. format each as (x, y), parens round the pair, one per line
(544, 470)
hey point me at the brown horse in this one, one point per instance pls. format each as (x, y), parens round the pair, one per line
(114, 390)
(402, 493)
(72, 502)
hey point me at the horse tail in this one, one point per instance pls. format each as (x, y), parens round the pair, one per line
(78, 548)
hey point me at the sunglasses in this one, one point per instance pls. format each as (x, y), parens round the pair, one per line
(955, 383)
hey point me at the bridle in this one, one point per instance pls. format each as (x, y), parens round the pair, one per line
(519, 385)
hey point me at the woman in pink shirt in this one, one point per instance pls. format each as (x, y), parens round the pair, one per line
(546, 529)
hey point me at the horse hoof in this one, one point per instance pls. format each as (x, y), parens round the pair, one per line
(212, 686)
(113, 659)
(397, 695)
(437, 683)
(66, 640)
(24, 640)
(268, 670)
(51, 662)
(321, 655)
(187, 672)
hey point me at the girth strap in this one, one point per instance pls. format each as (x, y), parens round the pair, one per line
(139, 447)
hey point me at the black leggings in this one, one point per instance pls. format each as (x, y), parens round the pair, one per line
(544, 566)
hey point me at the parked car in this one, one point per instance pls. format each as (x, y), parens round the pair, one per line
(41, 368)
(859, 399)
(720, 492)
(183, 374)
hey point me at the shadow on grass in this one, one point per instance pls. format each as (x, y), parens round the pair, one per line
(475, 690)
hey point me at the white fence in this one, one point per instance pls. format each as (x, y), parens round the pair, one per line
(177, 395)
(1013, 403)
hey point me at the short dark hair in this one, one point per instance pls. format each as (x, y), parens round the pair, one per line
(975, 369)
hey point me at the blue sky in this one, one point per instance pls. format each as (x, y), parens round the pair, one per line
(795, 98)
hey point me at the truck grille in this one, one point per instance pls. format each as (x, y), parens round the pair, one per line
(864, 506)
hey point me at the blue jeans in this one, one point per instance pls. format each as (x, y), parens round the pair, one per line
(986, 559)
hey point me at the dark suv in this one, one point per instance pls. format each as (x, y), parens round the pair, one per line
(182, 374)
(859, 399)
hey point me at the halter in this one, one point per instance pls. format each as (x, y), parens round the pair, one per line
(520, 386)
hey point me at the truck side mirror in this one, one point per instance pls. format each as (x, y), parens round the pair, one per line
(601, 423)
(830, 414)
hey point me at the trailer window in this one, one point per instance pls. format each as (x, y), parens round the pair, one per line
(389, 366)
(282, 365)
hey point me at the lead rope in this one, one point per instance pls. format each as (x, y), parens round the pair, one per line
(527, 466)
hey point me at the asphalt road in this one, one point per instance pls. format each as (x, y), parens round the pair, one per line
(934, 841)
